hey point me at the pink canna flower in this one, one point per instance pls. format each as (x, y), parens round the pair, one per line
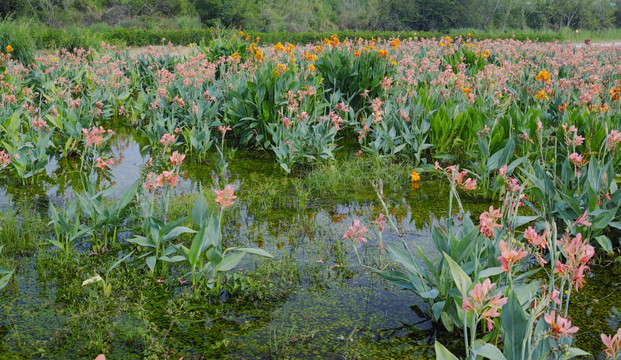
(561, 327)
(173, 180)
(151, 183)
(582, 220)
(380, 222)
(285, 120)
(614, 138)
(94, 135)
(578, 252)
(488, 314)
(167, 139)
(459, 177)
(488, 223)
(167, 178)
(223, 129)
(176, 158)
(576, 159)
(469, 185)
(355, 232)
(5, 159)
(554, 297)
(534, 239)
(483, 304)
(38, 123)
(578, 276)
(613, 344)
(179, 101)
(342, 107)
(104, 164)
(578, 140)
(509, 256)
(560, 268)
(225, 197)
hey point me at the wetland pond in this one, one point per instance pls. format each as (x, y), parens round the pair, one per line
(313, 301)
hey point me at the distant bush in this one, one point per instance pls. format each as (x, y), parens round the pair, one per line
(70, 38)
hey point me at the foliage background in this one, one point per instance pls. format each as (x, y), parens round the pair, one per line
(322, 15)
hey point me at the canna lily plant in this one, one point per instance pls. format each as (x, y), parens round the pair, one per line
(207, 257)
(5, 273)
(481, 277)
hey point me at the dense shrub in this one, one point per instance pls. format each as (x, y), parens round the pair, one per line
(16, 33)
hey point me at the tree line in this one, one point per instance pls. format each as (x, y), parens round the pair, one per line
(326, 15)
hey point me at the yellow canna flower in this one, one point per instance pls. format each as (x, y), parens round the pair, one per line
(415, 176)
(543, 76)
(541, 95)
(9, 48)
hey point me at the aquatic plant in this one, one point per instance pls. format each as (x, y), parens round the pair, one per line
(457, 286)
(6, 273)
(68, 226)
(105, 284)
(207, 257)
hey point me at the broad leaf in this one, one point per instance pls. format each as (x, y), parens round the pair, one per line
(462, 280)
(443, 353)
(230, 261)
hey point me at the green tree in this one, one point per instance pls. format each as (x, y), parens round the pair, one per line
(219, 12)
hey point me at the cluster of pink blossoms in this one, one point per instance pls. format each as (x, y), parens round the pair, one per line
(176, 158)
(534, 239)
(225, 197)
(356, 232)
(614, 138)
(514, 195)
(223, 129)
(166, 178)
(575, 140)
(578, 252)
(561, 327)
(5, 159)
(483, 303)
(576, 159)
(380, 222)
(104, 164)
(508, 257)
(167, 139)
(38, 123)
(488, 222)
(539, 242)
(458, 177)
(94, 135)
